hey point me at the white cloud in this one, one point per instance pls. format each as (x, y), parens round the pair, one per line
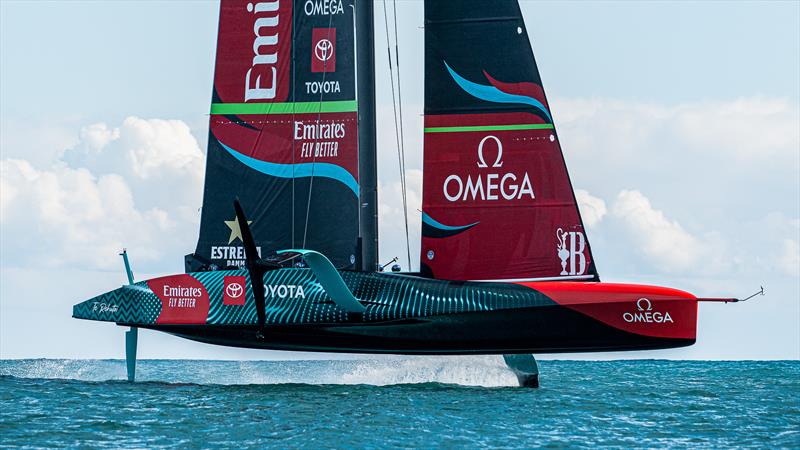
(97, 136)
(664, 242)
(749, 128)
(38, 140)
(142, 148)
(592, 209)
(79, 211)
(68, 216)
(729, 154)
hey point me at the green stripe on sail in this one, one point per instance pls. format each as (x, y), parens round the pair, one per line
(284, 108)
(521, 126)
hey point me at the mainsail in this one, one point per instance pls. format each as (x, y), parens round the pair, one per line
(283, 131)
(497, 199)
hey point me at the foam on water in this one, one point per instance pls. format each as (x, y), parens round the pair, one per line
(487, 371)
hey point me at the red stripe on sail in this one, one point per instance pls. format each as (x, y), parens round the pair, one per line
(523, 88)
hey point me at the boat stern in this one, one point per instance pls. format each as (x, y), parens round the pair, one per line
(653, 312)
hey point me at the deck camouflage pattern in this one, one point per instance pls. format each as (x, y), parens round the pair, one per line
(386, 297)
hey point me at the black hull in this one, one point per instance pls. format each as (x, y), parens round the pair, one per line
(551, 329)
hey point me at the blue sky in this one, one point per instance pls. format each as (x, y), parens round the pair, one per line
(680, 124)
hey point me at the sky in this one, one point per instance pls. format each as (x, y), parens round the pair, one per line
(680, 125)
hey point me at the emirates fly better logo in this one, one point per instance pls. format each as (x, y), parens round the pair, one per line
(234, 291)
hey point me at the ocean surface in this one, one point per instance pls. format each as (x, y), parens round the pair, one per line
(420, 402)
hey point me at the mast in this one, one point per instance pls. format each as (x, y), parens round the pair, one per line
(367, 154)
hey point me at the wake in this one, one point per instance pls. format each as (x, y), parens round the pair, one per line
(486, 371)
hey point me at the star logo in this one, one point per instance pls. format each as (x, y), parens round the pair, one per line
(236, 232)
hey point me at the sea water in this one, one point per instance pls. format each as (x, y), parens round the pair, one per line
(420, 402)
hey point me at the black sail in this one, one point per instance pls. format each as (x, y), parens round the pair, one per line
(283, 132)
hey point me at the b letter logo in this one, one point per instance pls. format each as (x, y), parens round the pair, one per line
(234, 292)
(571, 245)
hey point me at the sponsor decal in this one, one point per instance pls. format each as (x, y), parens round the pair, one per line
(323, 7)
(571, 247)
(104, 307)
(645, 314)
(323, 55)
(323, 87)
(499, 92)
(235, 290)
(261, 80)
(322, 138)
(488, 184)
(285, 291)
(232, 255)
(183, 299)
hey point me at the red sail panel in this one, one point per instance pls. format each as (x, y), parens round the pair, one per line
(254, 48)
(497, 199)
(283, 131)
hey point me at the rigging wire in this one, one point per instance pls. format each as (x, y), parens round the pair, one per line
(319, 115)
(402, 140)
(398, 127)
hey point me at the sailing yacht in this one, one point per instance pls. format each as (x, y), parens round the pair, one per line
(287, 252)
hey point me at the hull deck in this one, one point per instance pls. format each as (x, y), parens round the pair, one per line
(552, 329)
(403, 314)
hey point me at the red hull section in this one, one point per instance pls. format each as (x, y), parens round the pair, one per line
(651, 311)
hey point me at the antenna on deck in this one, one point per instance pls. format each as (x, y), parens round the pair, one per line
(760, 292)
(732, 300)
(381, 267)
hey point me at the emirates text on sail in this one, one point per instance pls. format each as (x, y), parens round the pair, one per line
(267, 19)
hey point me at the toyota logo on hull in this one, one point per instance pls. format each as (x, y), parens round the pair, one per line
(234, 290)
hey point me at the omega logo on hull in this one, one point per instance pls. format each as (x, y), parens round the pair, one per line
(645, 314)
